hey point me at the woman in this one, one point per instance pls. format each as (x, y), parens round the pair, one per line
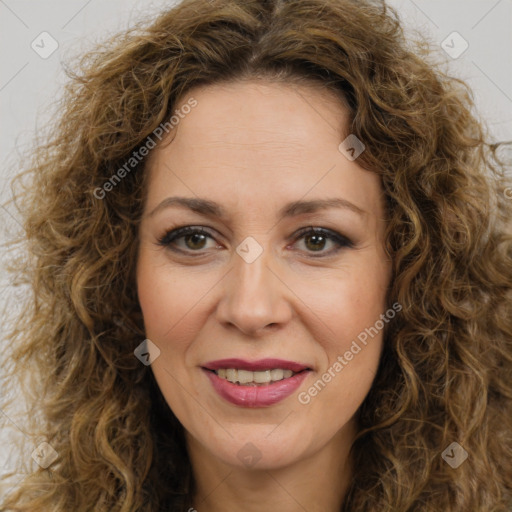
(271, 267)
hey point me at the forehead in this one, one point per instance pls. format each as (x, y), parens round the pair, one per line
(270, 114)
(259, 141)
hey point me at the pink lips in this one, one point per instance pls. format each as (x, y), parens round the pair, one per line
(255, 366)
(261, 395)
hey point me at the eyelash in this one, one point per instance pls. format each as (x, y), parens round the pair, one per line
(171, 236)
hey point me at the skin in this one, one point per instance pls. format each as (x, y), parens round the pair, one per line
(253, 147)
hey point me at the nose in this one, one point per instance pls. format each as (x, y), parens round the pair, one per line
(254, 298)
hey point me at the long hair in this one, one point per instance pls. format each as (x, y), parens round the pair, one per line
(445, 375)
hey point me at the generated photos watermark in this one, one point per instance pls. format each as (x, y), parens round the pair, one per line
(147, 352)
(305, 397)
(351, 147)
(454, 455)
(143, 151)
(44, 454)
(249, 455)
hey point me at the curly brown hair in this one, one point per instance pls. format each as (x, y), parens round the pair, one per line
(446, 369)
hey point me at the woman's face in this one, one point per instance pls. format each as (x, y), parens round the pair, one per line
(251, 282)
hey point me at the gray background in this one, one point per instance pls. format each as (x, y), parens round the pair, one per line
(29, 83)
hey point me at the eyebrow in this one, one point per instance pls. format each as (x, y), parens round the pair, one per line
(295, 208)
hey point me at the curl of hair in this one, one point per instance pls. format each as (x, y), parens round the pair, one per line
(446, 369)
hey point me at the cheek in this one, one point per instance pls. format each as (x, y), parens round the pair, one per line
(350, 303)
(347, 300)
(353, 350)
(352, 309)
(169, 299)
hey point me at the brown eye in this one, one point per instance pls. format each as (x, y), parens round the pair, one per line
(315, 242)
(317, 239)
(187, 239)
(195, 241)
(191, 239)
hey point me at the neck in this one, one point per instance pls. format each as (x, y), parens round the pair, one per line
(315, 483)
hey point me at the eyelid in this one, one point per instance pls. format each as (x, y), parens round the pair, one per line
(325, 232)
(180, 232)
(340, 240)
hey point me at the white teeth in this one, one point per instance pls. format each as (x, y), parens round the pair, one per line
(262, 377)
(246, 377)
(277, 374)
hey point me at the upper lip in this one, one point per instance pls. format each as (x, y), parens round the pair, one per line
(254, 366)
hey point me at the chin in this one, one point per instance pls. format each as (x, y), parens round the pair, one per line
(260, 452)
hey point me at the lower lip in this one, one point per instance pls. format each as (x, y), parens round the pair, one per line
(261, 395)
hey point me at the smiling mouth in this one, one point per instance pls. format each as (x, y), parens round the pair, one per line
(254, 378)
(256, 383)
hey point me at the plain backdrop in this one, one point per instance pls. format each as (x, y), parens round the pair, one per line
(475, 37)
